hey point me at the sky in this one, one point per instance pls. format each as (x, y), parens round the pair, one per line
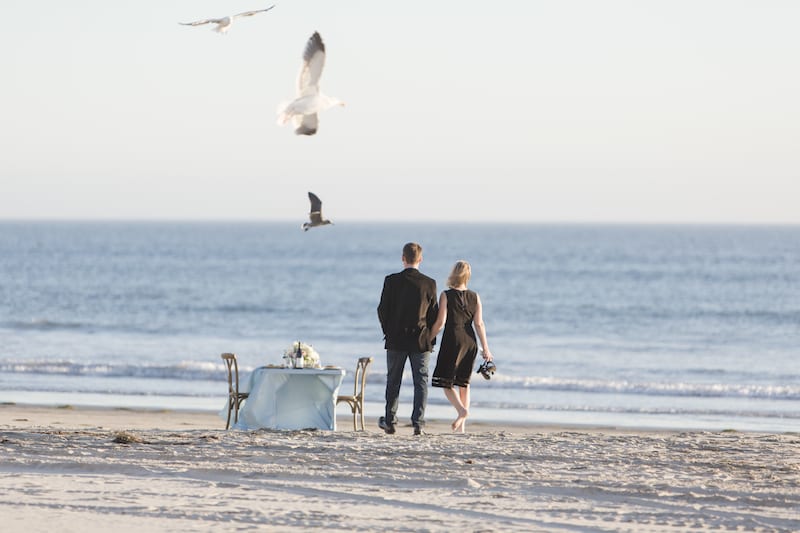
(682, 111)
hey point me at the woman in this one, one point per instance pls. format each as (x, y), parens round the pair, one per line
(461, 315)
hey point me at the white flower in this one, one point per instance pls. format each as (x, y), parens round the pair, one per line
(310, 355)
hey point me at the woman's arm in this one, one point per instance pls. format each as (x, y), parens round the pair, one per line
(441, 317)
(481, 329)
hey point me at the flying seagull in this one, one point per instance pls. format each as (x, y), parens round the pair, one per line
(315, 216)
(224, 23)
(310, 100)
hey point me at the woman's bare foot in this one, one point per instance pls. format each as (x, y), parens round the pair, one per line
(458, 423)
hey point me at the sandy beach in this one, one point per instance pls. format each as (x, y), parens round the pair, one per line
(88, 469)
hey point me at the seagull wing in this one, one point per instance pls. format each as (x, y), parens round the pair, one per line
(201, 22)
(251, 13)
(313, 62)
(316, 204)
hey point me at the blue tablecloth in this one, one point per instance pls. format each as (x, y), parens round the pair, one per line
(288, 398)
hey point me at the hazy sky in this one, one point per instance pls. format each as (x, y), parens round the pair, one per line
(557, 110)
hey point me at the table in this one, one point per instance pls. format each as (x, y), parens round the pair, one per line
(291, 398)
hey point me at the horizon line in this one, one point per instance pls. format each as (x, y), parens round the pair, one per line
(189, 220)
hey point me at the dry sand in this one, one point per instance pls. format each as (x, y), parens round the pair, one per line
(90, 470)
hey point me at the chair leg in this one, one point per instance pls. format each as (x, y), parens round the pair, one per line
(228, 422)
(361, 410)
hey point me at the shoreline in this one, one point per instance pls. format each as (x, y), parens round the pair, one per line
(31, 416)
(437, 415)
(91, 469)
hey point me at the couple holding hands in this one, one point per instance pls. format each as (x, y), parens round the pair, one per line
(411, 317)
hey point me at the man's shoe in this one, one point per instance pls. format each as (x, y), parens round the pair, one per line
(388, 428)
(418, 431)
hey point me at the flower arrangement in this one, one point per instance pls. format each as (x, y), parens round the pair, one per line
(310, 355)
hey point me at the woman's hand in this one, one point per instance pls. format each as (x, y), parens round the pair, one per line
(487, 355)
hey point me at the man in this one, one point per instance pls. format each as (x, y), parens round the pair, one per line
(407, 310)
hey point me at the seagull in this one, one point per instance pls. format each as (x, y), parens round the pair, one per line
(310, 101)
(224, 23)
(316, 213)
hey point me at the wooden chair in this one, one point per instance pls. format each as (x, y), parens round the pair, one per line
(356, 400)
(235, 398)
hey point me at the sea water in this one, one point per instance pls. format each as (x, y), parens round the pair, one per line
(658, 326)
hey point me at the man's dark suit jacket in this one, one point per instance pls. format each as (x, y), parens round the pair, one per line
(407, 310)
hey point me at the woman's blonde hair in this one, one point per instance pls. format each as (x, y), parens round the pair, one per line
(459, 275)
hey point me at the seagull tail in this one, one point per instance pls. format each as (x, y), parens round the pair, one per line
(283, 119)
(283, 114)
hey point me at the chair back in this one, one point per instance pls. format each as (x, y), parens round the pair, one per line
(235, 398)
(356, 401)
(360, 378)
(233, 373)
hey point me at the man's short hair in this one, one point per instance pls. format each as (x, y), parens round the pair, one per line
(412, 252)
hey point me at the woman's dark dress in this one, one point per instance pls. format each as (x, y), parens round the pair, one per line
(459, 348)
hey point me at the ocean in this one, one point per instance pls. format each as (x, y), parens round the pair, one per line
(653, 326)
